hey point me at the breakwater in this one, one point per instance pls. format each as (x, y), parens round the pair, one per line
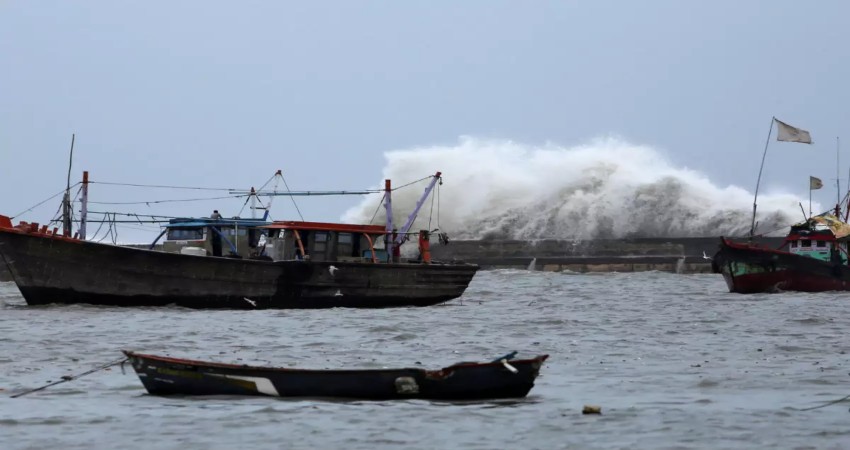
(677, 255)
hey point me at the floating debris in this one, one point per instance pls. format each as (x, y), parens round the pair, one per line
(591, 409)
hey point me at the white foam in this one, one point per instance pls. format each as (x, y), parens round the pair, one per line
(607, 188)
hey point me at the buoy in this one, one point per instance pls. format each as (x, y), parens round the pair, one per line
(591, 409)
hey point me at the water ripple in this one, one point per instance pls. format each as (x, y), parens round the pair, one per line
(674, 361)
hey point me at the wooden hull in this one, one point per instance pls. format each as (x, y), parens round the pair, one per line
(52, 269)
(465, 381)
(748, 268)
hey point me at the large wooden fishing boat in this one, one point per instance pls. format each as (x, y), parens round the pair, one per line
(813, 258)
(233, 263)
(501, 378)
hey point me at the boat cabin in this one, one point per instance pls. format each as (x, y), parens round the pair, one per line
(821, 237)
(236, 238)
(320, 241)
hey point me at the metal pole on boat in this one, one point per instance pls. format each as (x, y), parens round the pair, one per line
(810, 198)
(66, 201)
(758, 181)
(84, 207)
(253, 203)
(837, 176)
(388, 204)
(847, 197)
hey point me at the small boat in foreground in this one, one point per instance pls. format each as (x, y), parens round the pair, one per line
(501, 378)
(813, 258)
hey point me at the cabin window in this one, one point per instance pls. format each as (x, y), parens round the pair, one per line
(793, 244)
(344, 243)
(185, 234)
(320, 241)
(821, 243)
(806, 243)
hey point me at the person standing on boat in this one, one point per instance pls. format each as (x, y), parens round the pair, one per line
(425, 246)
(215, 215)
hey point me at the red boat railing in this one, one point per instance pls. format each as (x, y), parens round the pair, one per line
(24, 227)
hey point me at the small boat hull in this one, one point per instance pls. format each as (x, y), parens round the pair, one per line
(749, 268)
(464, 381)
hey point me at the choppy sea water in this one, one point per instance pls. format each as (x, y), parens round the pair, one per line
(675, 361)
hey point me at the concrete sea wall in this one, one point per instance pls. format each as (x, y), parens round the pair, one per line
(678, 255)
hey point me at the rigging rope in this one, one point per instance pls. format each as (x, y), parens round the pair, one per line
(412, 182)
(42, 202)
(431, 212)
(94, 236)
(112, 221)
(114, 230)
(438, 203)
(247, 199)
(378, 208)
(254, 194)
(165, 201)
(292, 198)
(136, 215)
(161, 186)
(57, 217)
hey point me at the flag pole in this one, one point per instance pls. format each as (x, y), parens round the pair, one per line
(758, 181)
(837, 176)
(810, 197)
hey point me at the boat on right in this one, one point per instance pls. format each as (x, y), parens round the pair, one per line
(812, 258)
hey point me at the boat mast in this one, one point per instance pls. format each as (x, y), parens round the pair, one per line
(758, 181)
(66, 201)
(253, 197)
(403, 231)
(388, 204)
(847, 197)
(837, 180)
(84, 207)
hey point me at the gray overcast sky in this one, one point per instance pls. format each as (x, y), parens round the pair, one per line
(213, 93)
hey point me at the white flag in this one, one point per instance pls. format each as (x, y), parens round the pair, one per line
(788, 133)
(815, 183)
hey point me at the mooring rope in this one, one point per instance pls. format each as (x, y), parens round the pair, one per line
(66, 378)
(825, 404)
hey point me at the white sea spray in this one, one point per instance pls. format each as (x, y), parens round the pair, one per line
(607, 188)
